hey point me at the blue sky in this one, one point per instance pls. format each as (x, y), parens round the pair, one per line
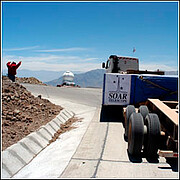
(79, 36)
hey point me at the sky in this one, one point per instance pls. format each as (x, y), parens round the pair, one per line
(79, 36)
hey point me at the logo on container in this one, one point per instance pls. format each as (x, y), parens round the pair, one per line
(119, 95)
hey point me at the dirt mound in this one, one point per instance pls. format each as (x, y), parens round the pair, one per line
(22, 113)
(30, 80)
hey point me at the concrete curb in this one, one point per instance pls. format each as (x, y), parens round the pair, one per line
(20, 154)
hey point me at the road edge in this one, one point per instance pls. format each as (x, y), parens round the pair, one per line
(17, 156)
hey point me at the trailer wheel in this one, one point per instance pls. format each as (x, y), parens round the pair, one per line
(135, 134)
(152, 142)
(143, 109)
(129, 110)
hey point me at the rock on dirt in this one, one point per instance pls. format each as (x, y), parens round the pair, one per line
(30, 80)
(23, 113)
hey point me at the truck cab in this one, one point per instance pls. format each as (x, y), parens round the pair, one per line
(120, 64)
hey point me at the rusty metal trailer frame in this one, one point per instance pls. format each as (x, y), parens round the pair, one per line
(168, 114)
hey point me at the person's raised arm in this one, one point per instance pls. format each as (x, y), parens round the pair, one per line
(18, 64)
(8, 64)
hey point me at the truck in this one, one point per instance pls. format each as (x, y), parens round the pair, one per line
(149, 104)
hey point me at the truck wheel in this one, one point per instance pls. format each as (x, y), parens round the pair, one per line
(129, 110)
(151, 142)
(135, 134)
(143, 109)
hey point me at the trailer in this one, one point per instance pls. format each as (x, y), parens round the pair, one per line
(149, 100)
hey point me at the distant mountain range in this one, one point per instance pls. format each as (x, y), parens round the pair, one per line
(93, 78)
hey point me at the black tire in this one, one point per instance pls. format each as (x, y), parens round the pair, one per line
(135, 134)
(129, 110)
(152, 139)
(143, 109)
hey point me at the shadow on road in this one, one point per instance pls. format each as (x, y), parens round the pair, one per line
(138, 159)
(133, 159)
(111, 114)
(173, 162)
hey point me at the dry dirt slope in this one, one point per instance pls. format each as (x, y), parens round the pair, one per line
(22, 113)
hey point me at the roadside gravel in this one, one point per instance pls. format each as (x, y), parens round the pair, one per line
(23, 113)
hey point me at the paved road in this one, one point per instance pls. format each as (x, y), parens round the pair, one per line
(100, 151)
(86, 96)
